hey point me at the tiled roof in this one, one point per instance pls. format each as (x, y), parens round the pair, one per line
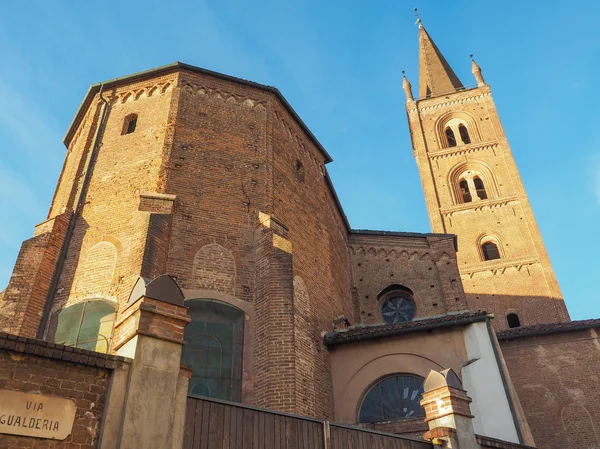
(368, 332)
(549, 328)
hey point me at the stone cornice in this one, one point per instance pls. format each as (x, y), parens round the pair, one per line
(497, 266)
(463, 149)
(479, 205)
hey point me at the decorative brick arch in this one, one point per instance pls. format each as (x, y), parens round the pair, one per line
(579, 426)
(214, 268)
(493, 238)
(473, 168)
(95, 274)
(459, 117)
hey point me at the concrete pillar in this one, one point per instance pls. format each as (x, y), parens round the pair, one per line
(447, 411)
(149, 403)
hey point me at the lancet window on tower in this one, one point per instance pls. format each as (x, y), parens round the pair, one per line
(450, 137)
(457, 130)
(464, 191)
(479, 188)
(490, 251)
(464, 134)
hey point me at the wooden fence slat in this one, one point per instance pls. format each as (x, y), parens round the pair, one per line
(226, 427)
(205, 424)
(214, 424)
(188, 431)
(247, 430)
(199, 422)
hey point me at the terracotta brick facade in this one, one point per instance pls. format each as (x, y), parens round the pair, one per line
(222, 187)
(556, 378)
(522, 280)
(425, 264)
(32, 366)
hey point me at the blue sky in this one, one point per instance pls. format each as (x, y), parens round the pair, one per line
(339, 64)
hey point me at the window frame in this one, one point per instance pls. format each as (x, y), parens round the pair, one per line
(508, 320)
(130, 118)
(54, 323)
(393, 291)
(377, 382)
(238, 324)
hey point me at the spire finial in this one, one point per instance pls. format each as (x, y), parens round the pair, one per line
(406, 86)
(477, 72)
(418, 16)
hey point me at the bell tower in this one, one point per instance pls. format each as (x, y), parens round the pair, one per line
(473, 189)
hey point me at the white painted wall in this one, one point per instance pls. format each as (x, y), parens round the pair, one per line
(483, 383)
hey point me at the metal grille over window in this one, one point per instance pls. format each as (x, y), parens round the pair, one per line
(213, 349)
(393, 398)
(86, 325)
(398, 309)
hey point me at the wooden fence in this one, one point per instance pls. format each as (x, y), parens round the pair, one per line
(214, 424)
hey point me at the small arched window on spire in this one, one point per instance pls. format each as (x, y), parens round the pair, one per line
(480, 188)
(464, 134)
(129, 124)
(513, 320)
(450, 137)
(464, 191)
(490, 251)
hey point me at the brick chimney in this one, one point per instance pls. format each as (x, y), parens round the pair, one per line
(447, 411)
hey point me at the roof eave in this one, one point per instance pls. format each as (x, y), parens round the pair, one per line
(94, 88)
(395, 332)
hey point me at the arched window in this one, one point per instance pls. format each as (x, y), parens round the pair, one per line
(86, 325)
(398, 305)
(464, 191)
(490, 251)
(450, 137)
(513, 320)
(213, 349)
(464, 134)
(479, 187)
(129, 124)
(393, 398)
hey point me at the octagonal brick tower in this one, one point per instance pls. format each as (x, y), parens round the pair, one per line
(218, 183)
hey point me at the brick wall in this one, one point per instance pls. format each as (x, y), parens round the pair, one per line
(556, 378)
(425, 265)
(304, 202)
(522, 281)
(24, 299)
(36, 367)
(125, 166)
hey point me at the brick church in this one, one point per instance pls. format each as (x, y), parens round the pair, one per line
(195, 248)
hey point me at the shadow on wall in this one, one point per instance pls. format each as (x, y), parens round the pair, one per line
(528, 310)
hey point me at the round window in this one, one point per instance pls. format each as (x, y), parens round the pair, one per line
(393, 398)
(398, 309)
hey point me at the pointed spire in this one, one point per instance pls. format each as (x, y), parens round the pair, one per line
(407, 87)
(436, 77)
(477, 72)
